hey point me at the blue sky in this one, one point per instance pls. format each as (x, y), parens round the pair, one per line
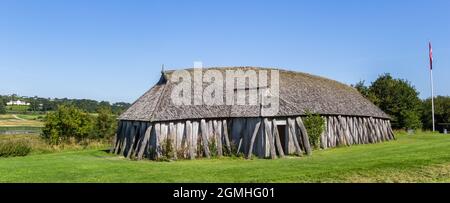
(113, 50)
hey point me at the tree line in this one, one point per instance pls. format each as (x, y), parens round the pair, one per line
(400, 100)
(41, 105)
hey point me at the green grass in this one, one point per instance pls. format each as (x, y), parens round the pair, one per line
(15, 108)
(410, 158)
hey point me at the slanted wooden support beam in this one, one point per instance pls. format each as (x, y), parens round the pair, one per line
(145, 142)
(273, 154)
(304, 135)
(116, 137)
(140, 137)
(277, 138)
(130, 143)
(252, 139)
(126, 138)
(293, 136)
(123, 137)
(113, 147)
(341, 127)
(226, 137)
(239, 126)
(248, 130)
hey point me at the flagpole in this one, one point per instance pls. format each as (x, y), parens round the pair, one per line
(432, 97)
(431, 81)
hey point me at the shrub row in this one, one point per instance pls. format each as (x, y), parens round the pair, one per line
(10, 148)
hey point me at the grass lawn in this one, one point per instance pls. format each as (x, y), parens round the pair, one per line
(411, 158)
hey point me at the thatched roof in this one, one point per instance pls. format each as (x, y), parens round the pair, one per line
(299, 93)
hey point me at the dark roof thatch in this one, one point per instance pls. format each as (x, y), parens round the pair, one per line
(299, 93)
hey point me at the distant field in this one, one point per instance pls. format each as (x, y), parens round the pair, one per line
(13, 120)
(424, 157)
(20, 123)
(17, 108)
(31, 116)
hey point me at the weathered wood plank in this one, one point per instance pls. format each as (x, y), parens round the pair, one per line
(144, 142)
(252, 140)
(158, 140)
(189, 139)
(125, 139)
(139, 138)
(323, 136)
(195, 128)
(116, 137)
(181, 140)
(277, 138)
(304, 134)
(218, 133)
(293, 136)
(129, 147)
(273, 154)
(239, 125)
(173, 137)
(249, 128)
(226, 136)
(122, 140)
(205, 142)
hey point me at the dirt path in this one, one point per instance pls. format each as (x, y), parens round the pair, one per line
(16, 117)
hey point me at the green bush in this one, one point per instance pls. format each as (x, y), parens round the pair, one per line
(168, 148)
(314, 125)
(67, 122)
(212, 147)
(182, 151)
(70, 122)
(411, 120)
(105, 123)
(9, 148)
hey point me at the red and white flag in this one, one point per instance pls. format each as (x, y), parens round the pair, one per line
(431, 56)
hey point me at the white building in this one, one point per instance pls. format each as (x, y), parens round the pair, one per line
(17, 103)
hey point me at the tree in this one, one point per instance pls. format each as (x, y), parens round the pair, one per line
(105, 124)
(365, 91)
(120, 107)
(411, 120)
(441, 111)
(67, 122)
(314, 125)
(397, 97)
(2, 106)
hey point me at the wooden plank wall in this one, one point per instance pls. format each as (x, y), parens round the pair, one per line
(242, 136)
